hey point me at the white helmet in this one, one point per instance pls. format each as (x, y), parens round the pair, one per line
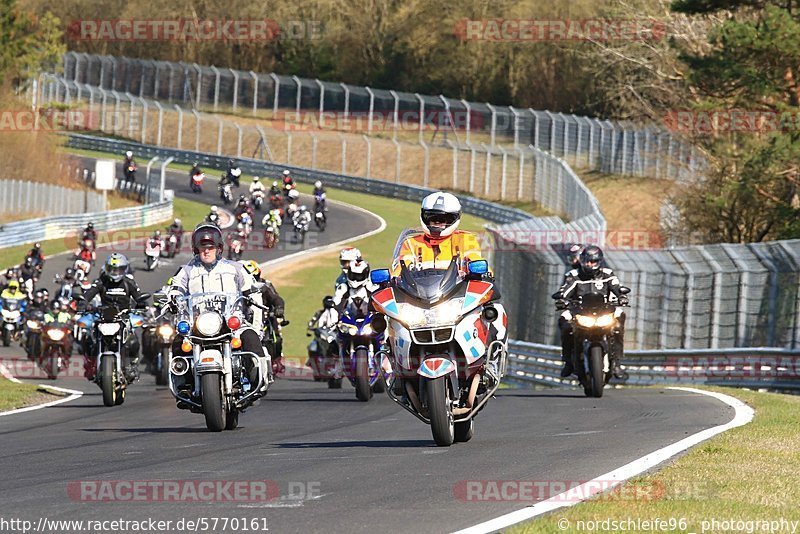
(214, 209)
(275, 183)
(286, 172)
(358, 274)
(128, 154)
(177, 221)
(347, 255)
(317, 184)
(440, 214)
(294, 194)
(255, 178)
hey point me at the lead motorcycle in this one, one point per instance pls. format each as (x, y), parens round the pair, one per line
(213, 379)
(12, 311)
(446, 341)
(594, 321)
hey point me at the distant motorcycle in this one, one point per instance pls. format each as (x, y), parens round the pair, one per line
(236, 248)
(12, 313)
(257, 199)
(197, 182)
(359, 347)
(225, 193)
(56, 348)
(152, 253)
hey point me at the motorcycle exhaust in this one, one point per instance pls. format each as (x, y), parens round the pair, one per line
(179, 366)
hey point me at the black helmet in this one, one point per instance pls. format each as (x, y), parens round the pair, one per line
(90, 225)
(328, 302)
(37, 246)
(574, 255)
(69, 274)
(28, 262)
(591, 258)
(56, 305)
(207, 233)
(39, 296)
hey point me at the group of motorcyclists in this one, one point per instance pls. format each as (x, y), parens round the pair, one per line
(438, 249)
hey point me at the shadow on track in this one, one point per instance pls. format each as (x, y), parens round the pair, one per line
(398, 443)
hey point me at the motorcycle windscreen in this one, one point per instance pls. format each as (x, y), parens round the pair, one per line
(429, 285)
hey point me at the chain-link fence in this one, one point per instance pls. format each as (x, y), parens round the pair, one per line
(713, 296)
(606, 146)
(526, 174)
(25, 197)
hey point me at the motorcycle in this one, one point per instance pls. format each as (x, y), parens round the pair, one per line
(213, 379)
(56, 348)
(320, 218)
(152, 253)
(257, 199)
(112, 330)
(130, 172)
(173, 244)
(12, 312)
(236, 248)
(247, 221)
(82, 269)
(225, 193)
(196, 182)
(233, 176)
(359, 348)
(446, 339)
(276, 201)
(321, 351)
(300, 229)
(272, 234)
(594, 321)
(33, 332)
(157, 336)
(86, 252)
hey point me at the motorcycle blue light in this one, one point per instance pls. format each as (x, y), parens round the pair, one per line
(379, 276)
(183, 327)
(478, 267)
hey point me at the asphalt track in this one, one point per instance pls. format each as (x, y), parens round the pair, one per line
(333, 464)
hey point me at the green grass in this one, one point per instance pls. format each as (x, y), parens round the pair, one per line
(13, 395)
(188, 211)
(749, 473)
(304, 287)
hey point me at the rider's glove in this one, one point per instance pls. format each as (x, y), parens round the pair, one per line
(561, 304)
(623, 300)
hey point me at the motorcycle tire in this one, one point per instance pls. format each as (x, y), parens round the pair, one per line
(380, 384)
(464, 431)
(363, 391)
(162, 378)
(52, 367)
(442, 426)
(107, 385)
(232, 419)
(6, 338)
(213, 403)
(596, 367)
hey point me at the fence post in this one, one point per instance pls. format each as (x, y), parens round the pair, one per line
(371, 109)
(396, 161)
(314, 141)
(144, 119)
(321, 102)
(520, 191)
(396, 114)
(160, 121)
(156, 80)
(216, 87)
(516, 127)
(288, 147)
(503, 178)
(468, 111)
(472, 169)
(255, 92)
(180, 126)
(116, 111)
(346, 101)
(199, 84)
(454, 148)
(277, 86)
(196, 130)
(488, 168)
(494, 123)
(369, 153)
(421, 116)
(299, 95)
(103, 114)
(344, 153)
(426, 170)
(235, 90)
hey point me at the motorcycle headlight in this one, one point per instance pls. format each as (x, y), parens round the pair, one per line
(33, 325)
(108, 329)
(604, 320)
(367, 330)
(585, 321)
(55, 335)
(165, 331)
(209, 323)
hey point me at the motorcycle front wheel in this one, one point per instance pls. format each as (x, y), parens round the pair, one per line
(107, 372)
(213, 405)
(442, 426)
(363, 391)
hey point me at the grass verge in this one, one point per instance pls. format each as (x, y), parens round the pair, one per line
(13, 395)
(188, 211)
(747, 474)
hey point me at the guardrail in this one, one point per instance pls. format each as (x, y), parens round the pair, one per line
(65, 226)
(21, 196)
(756, 368)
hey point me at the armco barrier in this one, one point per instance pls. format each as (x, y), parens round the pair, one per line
(45, 228)
(756, 368)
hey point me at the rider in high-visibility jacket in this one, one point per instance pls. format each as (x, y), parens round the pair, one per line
(440, 241)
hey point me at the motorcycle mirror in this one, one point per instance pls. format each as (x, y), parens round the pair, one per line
(379, 276)
(557, 295)
(478, 267)
(624, 290)
(143, 297)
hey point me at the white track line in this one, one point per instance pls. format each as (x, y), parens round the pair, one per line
(744, 414)
(73, 394)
